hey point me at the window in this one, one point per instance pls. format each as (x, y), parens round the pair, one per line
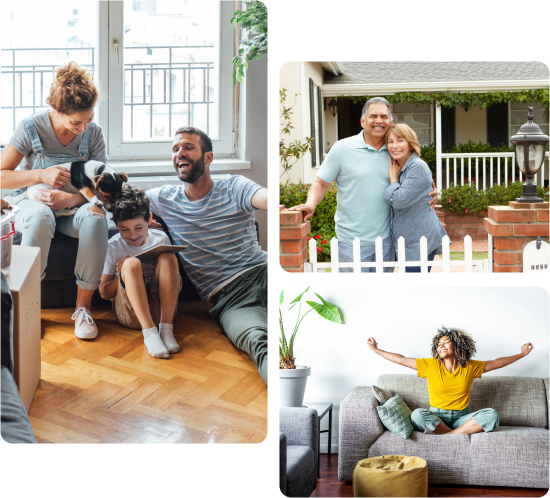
(29, 57)
(518, 116)
(418, 118)
(164, 85)
(149, 85)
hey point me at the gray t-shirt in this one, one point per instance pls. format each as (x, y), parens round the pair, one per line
(22, 142)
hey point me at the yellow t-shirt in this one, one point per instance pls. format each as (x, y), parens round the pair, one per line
(449, 391)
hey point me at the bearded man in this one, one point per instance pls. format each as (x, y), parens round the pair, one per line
(224, 260)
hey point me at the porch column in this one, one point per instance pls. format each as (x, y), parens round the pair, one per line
(438, 160)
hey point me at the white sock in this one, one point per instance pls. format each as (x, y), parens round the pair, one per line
(153, 343)
(167, 336)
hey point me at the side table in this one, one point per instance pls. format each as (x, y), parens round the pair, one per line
(322, 409)
(24, 283)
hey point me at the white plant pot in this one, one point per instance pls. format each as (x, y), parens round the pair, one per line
(292, 386)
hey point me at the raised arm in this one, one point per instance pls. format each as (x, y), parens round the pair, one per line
(315, 195)
(507, 360)
(393, 357)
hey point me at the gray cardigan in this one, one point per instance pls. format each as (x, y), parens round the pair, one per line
(411, 217)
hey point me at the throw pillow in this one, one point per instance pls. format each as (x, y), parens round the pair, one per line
(381, 395)
(396, 416)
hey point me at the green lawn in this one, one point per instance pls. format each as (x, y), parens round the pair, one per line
(459, 256)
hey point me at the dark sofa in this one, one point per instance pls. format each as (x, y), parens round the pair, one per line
(58, 287)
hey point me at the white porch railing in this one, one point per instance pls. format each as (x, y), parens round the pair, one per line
(312, 266)
(471, 168)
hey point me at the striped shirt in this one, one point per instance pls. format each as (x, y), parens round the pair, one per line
(218, 228)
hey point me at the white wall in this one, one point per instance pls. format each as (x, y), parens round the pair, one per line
(403, 320)
(253, 132)
(471, 125)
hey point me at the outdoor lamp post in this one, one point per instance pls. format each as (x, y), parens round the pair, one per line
(530, 146)
(333, 106)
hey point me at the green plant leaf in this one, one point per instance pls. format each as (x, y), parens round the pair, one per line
(326, 310)
(297, 299)
(281, 298)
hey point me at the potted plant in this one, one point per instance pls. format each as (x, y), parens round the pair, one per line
(292, 377)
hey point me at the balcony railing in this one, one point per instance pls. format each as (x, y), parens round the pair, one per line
(169, 83)
(40, 77)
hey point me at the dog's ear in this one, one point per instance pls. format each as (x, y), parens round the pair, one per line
(98, 179)
(124, 177)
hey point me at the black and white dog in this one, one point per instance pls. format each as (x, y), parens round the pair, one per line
(96, 181)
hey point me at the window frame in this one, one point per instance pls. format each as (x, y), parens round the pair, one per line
(111, 83)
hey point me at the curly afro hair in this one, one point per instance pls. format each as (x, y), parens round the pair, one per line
(463, 344)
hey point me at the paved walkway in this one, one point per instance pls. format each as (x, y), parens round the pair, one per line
(477, 246)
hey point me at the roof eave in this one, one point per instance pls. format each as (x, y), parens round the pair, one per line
(337, 89)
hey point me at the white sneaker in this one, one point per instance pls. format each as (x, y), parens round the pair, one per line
(84, 326)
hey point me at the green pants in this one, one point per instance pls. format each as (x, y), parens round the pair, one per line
(240, 308)
(428, 420)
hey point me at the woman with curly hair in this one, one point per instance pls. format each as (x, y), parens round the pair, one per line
(450, 374)
(56, 137)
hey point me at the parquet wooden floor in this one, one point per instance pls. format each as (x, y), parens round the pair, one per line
(110, 390)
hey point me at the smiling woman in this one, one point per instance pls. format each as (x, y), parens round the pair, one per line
(54, 137)
(450, 374)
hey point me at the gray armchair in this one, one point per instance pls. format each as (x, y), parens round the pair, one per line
(299, 449)
(15, 426)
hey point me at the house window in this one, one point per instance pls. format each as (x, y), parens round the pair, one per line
(418, 118)
(518, 116)
(152, 88)
(166, 85)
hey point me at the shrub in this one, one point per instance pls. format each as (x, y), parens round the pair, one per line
(466, 199)
(322, 223)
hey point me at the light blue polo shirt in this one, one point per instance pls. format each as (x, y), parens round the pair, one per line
(361, 174)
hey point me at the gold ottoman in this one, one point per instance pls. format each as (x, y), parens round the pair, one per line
(391, 475)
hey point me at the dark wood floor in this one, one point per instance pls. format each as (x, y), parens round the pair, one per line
(328, 485)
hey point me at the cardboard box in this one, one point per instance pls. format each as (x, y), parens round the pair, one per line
(24, 282)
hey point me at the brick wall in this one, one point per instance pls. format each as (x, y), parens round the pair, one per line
(512, 227)
(292, 239)
(460, 225)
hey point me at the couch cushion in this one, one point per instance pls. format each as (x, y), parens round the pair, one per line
(519, 401)
(396, 416)
(381, 395)
(447, 456)
(300, 470)
(510, 456)
(413, 389)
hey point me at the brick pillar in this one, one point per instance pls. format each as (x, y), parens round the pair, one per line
(440, 214)
(512, 227)
(293, 239)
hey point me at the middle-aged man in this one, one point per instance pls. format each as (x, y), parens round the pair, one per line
(359, 164)
(224, 260)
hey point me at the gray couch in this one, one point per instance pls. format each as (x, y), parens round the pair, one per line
(299, 447)
(515, 454)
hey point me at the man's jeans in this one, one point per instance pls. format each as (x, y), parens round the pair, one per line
(345, 255)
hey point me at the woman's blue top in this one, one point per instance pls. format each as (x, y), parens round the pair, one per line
(411, 217)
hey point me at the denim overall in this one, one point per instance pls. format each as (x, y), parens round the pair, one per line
(37, 223)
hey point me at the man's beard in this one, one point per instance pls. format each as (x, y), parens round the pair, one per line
(196, 170)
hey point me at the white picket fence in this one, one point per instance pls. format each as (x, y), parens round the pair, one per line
(312, 266)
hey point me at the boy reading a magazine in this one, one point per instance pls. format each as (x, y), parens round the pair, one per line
(144, 295)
